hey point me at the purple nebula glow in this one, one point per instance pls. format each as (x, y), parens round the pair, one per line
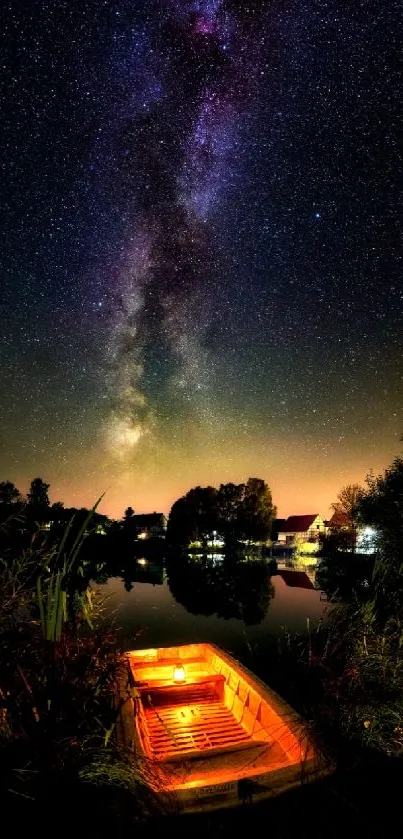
(208, 160)
(204, 26)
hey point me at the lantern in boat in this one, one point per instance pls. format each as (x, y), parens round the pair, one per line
(179, 674)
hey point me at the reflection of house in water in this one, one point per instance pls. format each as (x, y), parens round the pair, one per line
(213, 557)
(296, 579)
(306, 565)
(144, 571)
(214, 541)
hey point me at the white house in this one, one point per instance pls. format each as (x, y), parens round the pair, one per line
(302, 529)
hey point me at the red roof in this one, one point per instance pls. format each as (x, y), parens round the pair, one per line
(299, 524)
(340, 519)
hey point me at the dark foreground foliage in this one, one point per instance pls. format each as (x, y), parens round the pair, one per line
(58, 671)
(58, 757)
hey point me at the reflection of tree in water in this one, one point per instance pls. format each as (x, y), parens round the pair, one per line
(229, 589)
(253, 591)
(128, 580)
(143, 571)
(192, 583)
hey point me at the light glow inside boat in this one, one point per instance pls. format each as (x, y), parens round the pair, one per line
(179, 674)
(207, 726)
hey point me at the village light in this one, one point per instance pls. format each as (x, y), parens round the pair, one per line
(368, 531)
(179, 674)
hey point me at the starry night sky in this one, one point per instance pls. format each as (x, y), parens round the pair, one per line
(200, 247)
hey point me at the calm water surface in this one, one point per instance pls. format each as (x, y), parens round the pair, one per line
(241, 607)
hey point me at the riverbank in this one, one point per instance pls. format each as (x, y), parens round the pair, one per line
(60, 654)
(66, 766)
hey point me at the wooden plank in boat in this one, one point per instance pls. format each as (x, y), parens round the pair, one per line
(138, 664)
(166, 686)
(190, 754)
(209, 729)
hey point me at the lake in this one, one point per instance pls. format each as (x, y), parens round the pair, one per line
(247, 610)
(241, 606)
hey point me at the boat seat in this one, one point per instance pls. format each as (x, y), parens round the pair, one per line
(197, 689)
(165, 662)
(161, 672)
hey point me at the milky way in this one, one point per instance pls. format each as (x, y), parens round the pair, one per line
(183, 147)
(200, 247)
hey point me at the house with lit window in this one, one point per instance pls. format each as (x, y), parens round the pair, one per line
(148, 525)
(301, 532)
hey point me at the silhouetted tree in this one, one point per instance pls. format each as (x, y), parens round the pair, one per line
(9, 493)
(346, 513)
(382, 508)
(257, 511)
(12, 541)
(343, 576)
(38, 493)
(129, 513)
(236, 511)
(58, 511)
(230, 498)
(194, 516)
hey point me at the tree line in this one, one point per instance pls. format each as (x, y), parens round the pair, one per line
(38, 493)
(236, 512)
(23, 518)
(379, 577)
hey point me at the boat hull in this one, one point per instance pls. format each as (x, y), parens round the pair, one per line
(220, 739)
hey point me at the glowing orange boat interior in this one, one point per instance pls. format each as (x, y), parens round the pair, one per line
(211, 732)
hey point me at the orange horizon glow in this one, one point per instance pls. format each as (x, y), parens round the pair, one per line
(300, 483)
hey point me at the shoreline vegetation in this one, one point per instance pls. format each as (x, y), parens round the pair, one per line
(60, 660)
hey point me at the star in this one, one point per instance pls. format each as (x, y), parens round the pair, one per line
(172, 311)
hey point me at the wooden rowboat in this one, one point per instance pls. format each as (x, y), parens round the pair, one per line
(208, 731)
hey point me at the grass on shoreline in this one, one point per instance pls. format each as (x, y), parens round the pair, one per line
(58, 674)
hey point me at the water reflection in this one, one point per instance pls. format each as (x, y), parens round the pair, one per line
(296, 579)
(231, 604)
(143, 571)
(300, 573)
(211, 585)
